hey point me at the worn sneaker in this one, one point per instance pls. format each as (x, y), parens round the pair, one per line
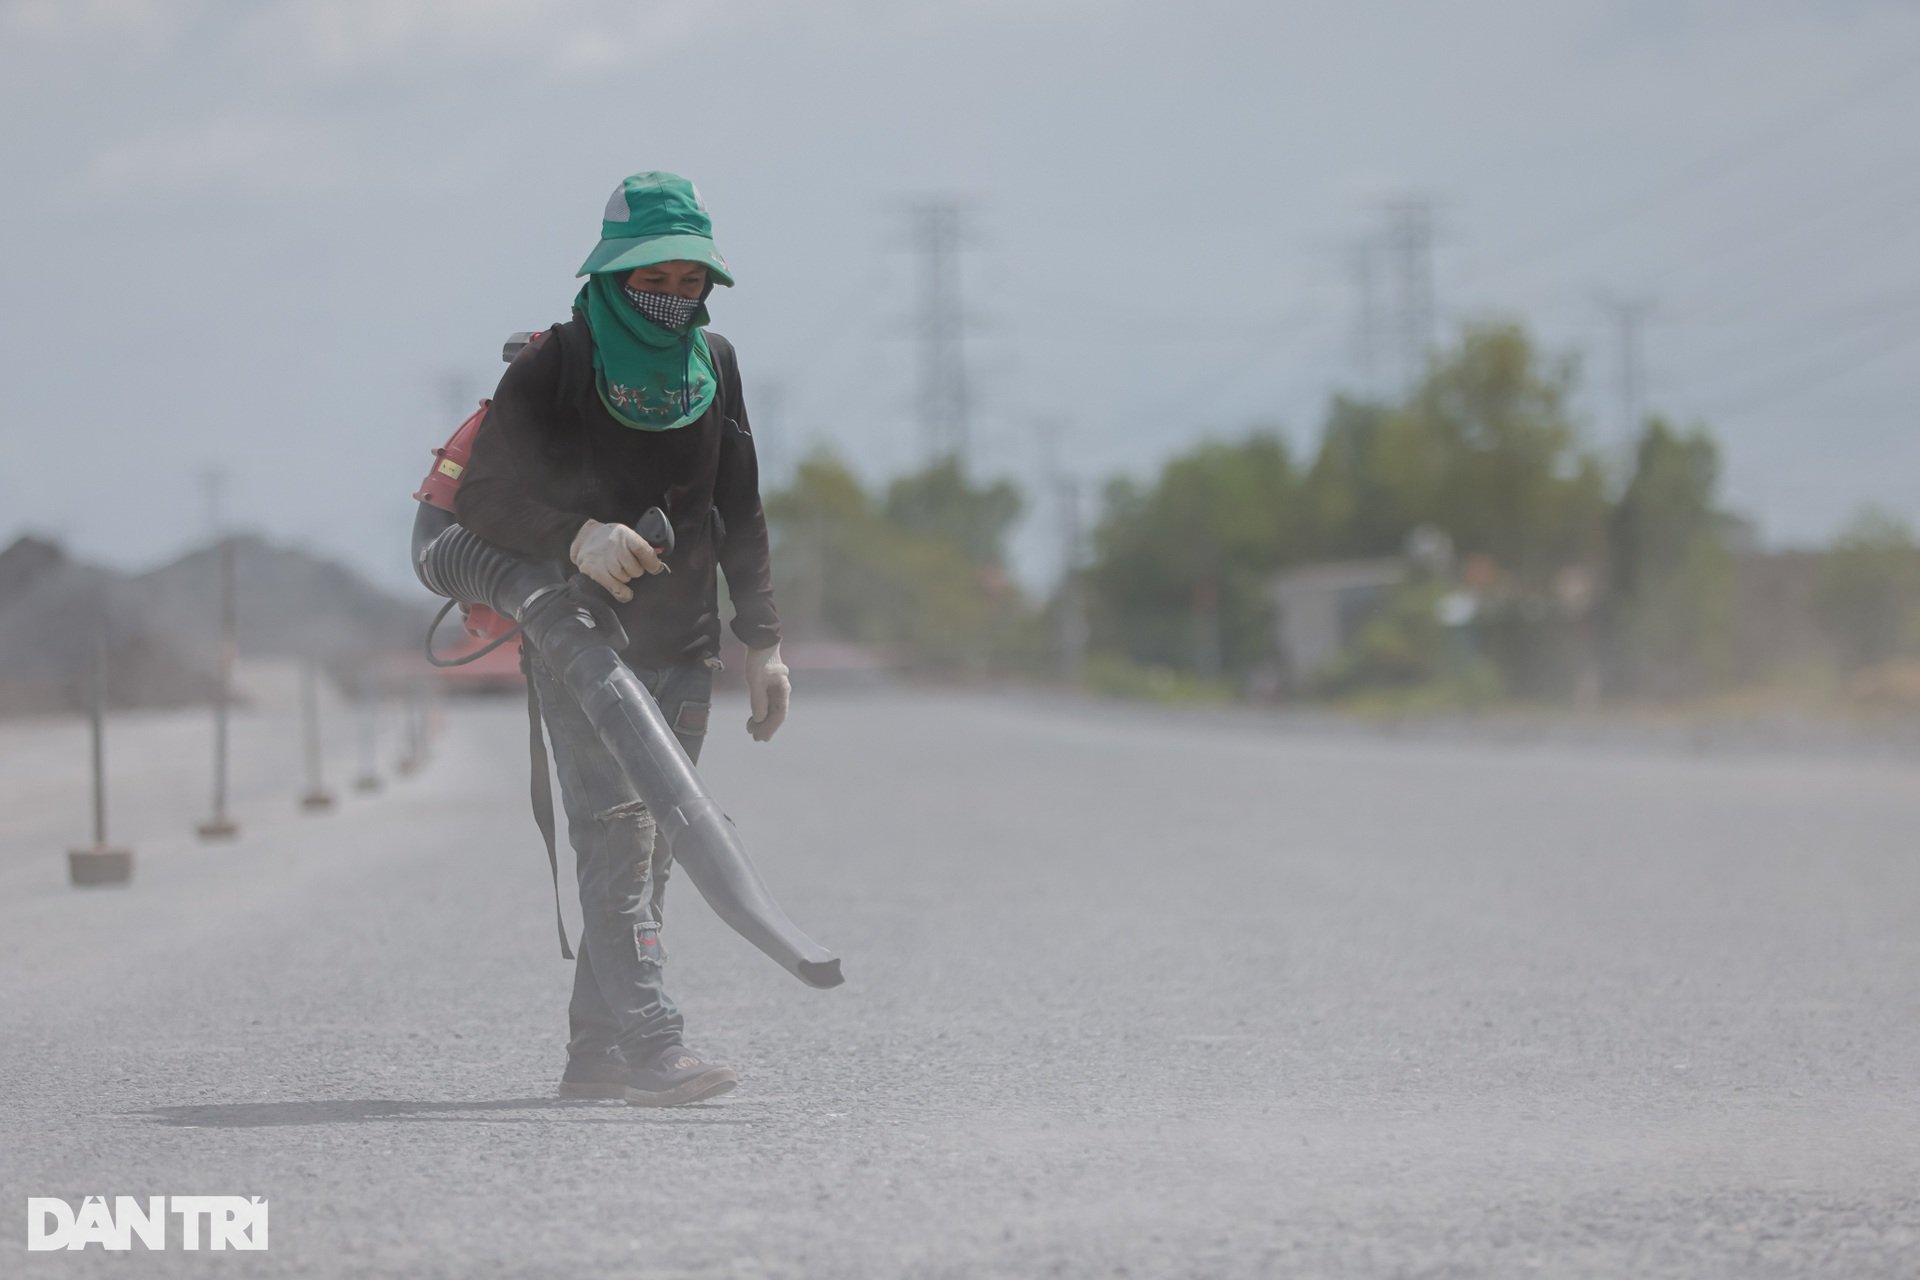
(676, 1076)
(599, 1075)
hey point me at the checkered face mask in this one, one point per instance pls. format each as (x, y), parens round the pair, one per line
(668, 310)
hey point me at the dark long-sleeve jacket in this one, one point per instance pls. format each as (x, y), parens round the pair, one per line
(549, 457)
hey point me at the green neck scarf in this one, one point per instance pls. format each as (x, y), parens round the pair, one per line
(649, 378)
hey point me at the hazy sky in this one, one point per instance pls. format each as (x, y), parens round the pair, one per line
(285, 236)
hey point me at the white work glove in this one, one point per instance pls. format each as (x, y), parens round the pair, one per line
(769, 690)
(612, 555)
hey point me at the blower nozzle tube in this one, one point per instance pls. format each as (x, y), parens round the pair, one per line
(570, 639)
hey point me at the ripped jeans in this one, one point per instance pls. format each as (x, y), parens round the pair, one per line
(619, 998)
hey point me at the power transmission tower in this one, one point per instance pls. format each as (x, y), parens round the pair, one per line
(1365, 262)
(944, 407)
(1408, 245)
(1629, 316)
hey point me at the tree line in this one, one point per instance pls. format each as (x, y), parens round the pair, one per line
(1516, 565)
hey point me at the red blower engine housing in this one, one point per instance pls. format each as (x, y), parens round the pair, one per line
(443, 482)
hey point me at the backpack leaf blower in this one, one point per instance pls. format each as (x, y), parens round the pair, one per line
(570, 625)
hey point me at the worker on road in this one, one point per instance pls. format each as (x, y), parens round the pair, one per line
(633, 404)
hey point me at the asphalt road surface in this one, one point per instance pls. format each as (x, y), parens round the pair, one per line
(1128, 995)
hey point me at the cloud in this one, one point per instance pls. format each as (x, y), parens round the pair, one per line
(259, 153)
(346, 36)
(327, 38)
(142, 22)
(321, 40)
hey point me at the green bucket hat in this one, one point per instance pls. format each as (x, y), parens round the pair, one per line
(651, 218)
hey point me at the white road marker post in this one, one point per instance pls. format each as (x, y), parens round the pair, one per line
(220, 826)
(369, 700)
(101, 864)
(317, 799)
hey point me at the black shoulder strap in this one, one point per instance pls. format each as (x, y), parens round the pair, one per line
(723, 371)
(573, 344)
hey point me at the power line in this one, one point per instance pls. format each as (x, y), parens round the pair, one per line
(1758, 261)
(1716, 163)
(1256, 342)
(1804, 380)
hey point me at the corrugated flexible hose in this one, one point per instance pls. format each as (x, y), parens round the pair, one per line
(569, 631)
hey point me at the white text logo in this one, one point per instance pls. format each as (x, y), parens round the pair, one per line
(209, 1222)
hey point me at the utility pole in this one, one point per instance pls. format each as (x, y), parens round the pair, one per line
(220, 826)
(1408, 243)
(773, 448)
(1206, 626)
(1073, 608)
(1074, 632)
(1629, 316)
(456, 392)
(944, 409)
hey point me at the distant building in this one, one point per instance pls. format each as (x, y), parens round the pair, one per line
(1776, 624)
(1320, 608)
